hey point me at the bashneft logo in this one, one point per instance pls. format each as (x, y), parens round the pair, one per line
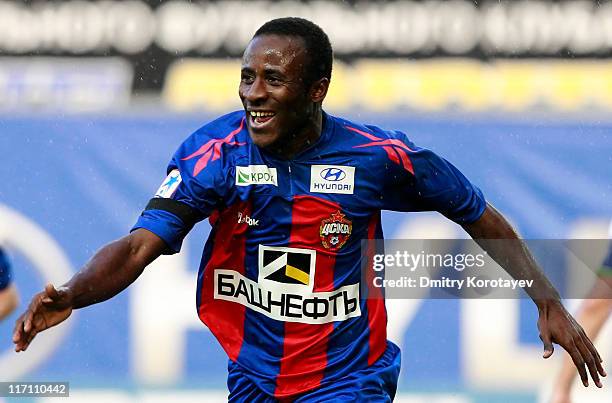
(288, 306)
(332, 179)
(256, 175)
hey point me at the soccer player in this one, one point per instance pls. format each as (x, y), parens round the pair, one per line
(290, 191)
(593, 313)
(8, 293)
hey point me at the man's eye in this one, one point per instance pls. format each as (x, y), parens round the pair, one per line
(246, 79)
(273, 80)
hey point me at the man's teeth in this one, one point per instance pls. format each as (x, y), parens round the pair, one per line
(262, 114)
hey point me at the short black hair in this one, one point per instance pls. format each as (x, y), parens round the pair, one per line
(317, 44)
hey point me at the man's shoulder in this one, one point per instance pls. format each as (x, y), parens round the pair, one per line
(222, 126)
(362, 131)
(376, 144)
(211, 147)
(227, 130)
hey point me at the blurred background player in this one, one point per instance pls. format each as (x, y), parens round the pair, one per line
(8, 293)
(592, 315)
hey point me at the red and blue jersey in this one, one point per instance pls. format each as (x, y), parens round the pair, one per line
(5, 271)
(279, 280)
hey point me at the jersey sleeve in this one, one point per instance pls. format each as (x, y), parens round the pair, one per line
(5, 271)
(427, 182)
(188, 195)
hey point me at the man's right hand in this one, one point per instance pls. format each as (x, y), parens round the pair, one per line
(47, 309)
(112, 269)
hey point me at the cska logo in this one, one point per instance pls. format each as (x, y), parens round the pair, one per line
(335, 231)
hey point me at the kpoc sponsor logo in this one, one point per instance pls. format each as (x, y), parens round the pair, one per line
(256, 175)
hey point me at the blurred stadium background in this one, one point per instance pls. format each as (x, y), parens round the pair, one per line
(95, 96)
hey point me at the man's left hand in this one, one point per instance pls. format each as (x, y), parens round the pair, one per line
(556, 325)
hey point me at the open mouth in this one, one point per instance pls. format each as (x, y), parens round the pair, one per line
(260, 118)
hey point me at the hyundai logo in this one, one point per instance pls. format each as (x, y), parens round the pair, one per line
(333, 174)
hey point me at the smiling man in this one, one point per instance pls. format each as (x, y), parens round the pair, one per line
(282, 88)
(290, 192)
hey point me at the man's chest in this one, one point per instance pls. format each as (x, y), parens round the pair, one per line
(344, 182)
(323, 203)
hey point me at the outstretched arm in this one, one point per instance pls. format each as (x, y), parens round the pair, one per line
(555, 324)
(110, 270)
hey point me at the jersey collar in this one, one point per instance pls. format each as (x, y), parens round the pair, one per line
(313, 149)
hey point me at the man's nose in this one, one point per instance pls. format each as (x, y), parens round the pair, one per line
(256, 92)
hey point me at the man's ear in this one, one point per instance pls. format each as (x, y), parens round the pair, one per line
(318, 90)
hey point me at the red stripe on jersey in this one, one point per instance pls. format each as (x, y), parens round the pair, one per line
(378, 140)
(377, 314)
(392, 154)
(211, 151)
(225, 319)
(389, 145)
(388, 142)
(365, 134)
(406, 163)
(305, 345)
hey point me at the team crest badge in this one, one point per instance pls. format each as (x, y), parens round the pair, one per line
(335, 231)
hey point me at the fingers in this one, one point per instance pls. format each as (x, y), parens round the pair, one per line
(56, 298)
(27, 325)
(548, 346)
(28, 321)
(589, 345)
(597, 359)
(557, 325)
(579, 362)
(590, 360)
(583, 359)
(24, 330)
(21, 337)
(18, 333)
(23, 345)
(51, 294)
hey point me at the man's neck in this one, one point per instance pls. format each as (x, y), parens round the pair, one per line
(303, 139)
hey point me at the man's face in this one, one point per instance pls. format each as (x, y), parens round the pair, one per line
(272, 90)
